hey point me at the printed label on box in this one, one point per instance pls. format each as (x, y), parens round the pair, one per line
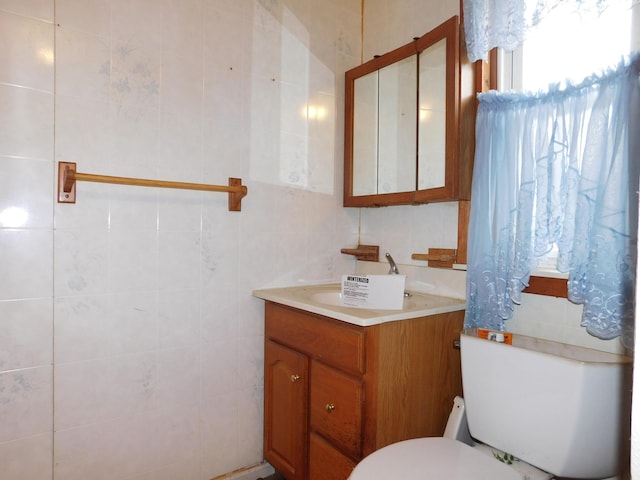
(380, 292)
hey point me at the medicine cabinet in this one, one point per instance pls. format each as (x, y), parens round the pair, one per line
(402, 123)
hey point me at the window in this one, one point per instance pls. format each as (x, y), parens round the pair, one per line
(571, 45)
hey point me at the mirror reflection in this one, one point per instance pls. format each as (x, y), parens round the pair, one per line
(397, 130)
(365, 134)
(432, 116)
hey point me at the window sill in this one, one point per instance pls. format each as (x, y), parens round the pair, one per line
(555, 286)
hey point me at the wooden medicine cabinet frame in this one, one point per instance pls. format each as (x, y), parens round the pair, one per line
(449, 31)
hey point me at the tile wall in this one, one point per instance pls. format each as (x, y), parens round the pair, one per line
(26, 239)
(138, 301)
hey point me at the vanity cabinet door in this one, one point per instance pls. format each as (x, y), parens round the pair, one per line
(285, 410)
(336, 408)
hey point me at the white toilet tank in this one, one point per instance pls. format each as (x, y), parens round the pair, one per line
(561, 408)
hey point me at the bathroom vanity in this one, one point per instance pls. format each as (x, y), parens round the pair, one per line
(342, 382)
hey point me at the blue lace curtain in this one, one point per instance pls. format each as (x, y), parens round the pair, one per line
(558, 168)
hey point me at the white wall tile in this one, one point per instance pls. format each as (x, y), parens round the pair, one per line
(220, 368)
(100, 390)
(250, 419)
(26, 188)
(179, 378)
(135, 127)
(79, 327)
(26, 402)
(132, 209)
(91, 210)
(91, 16)
(100, 326)
(26, 122)
(250, 362)
(180, 209)
(25, 334)
(132, 324)
(118, 448)
(220, 452)
(81, 261)
(26, 256)
(183, 26)
(179, 318)
(220, 318)
(556, 319)
(179, 440)
(224, 23)
(394, 27)
(135, 74)
(180, 141)
(39, 9)
(83, 62)
(179, 260)
(28, 48)
(138, 20)
(27, 458)
(133, 261)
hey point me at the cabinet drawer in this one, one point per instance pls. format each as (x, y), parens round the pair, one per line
(336, 408)
(327, 463)
(337, 344)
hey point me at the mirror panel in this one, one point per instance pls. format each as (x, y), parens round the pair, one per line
(365, 134)
(397, 126)
(432, 116)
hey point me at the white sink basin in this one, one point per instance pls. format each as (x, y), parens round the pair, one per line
(328, 298)
(325, 299)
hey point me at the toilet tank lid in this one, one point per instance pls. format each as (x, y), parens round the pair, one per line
(432, 457)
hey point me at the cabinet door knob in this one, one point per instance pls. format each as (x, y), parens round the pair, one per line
(295, 378)
(329, 407)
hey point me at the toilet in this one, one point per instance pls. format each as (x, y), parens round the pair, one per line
(532, 410)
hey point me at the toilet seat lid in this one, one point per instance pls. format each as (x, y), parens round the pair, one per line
(432, 457)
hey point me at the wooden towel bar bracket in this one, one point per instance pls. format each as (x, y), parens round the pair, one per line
(365, 253)
(437, 257)
(68, 176)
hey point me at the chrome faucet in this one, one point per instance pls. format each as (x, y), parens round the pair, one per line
(393, 268)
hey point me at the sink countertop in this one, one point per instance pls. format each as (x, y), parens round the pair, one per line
(301, 297)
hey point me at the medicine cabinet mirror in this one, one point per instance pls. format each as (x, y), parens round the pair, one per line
(401, 123)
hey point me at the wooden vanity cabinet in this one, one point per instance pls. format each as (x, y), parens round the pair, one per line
(336, 392)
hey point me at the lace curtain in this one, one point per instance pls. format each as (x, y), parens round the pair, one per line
(558, 168)
(504, 23)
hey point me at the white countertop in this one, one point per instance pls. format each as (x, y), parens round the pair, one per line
(323, 300)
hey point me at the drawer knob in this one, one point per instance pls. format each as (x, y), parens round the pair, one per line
(329, 407)
(295, 378)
